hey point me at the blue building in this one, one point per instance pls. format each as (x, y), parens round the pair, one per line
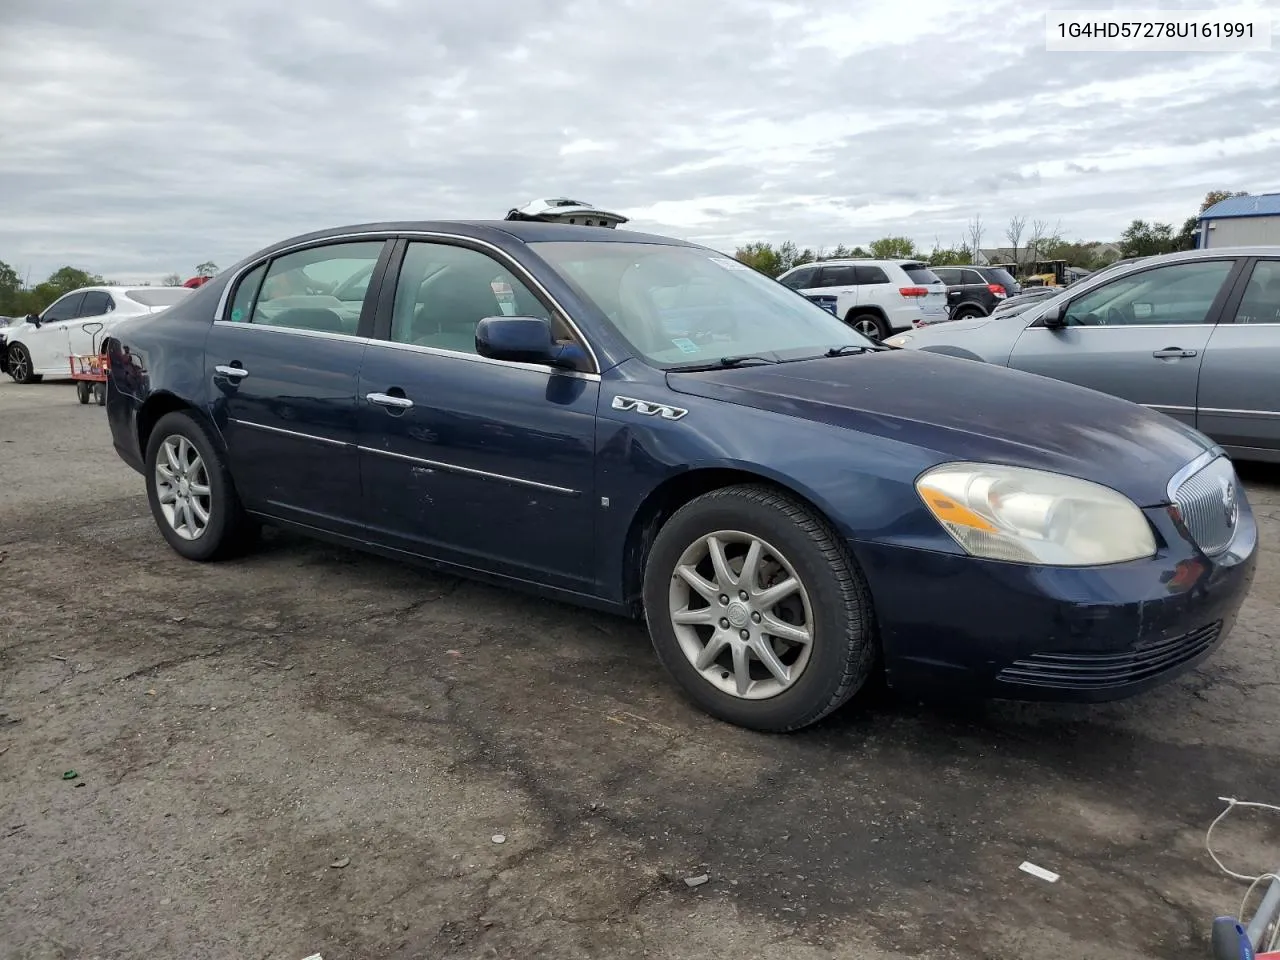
(1241, 222)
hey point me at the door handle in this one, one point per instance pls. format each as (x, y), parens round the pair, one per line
(1173, 352)
(386, 400)
(236, 373)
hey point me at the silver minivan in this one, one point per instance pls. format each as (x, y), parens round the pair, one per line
(1195, 335)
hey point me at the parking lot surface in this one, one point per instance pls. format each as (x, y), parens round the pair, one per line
(314, 751)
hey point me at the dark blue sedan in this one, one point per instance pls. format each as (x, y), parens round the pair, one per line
(645, 426)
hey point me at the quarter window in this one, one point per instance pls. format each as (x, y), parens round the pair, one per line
(1181, 293)
(321, 289)
(445, 291)
(1261, 302)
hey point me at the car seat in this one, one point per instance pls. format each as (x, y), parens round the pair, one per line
(309, 318)
(451, 308)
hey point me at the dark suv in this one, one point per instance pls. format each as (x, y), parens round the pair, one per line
(976, 291)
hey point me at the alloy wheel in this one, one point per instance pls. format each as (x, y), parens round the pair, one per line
(19, 364)
(741, 615)
(868, 328)
(182, 487)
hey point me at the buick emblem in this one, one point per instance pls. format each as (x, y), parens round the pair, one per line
(1230, 506)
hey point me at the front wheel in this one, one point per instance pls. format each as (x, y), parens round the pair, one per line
(190, 491)
(757, 609)
(20, 366)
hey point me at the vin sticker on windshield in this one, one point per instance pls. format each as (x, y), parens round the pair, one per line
(728, 263)
(686, 345)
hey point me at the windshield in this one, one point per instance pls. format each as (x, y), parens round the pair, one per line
(685, 306)
(157, 296)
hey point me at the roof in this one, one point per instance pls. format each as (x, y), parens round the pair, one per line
(864, 261)
(523, 230)
(1261, 205)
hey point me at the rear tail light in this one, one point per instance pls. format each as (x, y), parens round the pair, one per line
(997, 289)
(914, 291)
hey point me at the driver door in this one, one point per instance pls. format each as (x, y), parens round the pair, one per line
(50, 344)
(1141, 337)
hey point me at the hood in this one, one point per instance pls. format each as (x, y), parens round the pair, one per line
(967, 410)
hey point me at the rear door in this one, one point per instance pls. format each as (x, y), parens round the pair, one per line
(1239, 402)
(85, 335)
(1141, 337)
(283, 365)
(839, 281)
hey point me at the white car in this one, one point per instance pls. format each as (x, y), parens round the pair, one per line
(75, 323)
(875, 297)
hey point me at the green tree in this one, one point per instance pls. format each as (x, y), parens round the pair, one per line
(207, 269)
(761, 257)
(1143, 239)
(889, 248)
(941, 256)
(10, 290)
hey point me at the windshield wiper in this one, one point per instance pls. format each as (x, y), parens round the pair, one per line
(849, 348)
(725, 363)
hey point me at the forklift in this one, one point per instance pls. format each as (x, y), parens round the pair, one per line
(1046, 273)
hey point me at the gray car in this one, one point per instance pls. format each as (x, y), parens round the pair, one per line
(1195, 335)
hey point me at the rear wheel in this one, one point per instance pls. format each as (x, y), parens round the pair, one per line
(20, 366)
(967, 313)
(757, 609)
(869, 325)
(191, 493)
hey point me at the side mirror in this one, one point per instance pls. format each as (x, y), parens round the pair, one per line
(526, 340)
(1055, 318)
(33, 319)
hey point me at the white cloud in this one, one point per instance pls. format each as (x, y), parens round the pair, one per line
(137, 142)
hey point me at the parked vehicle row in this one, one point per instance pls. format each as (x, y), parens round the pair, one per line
(874, 297)
(645, 426)
(1195, 335)
(974, 291)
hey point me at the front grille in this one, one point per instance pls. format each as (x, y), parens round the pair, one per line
(1208, 501)
(1100, 671)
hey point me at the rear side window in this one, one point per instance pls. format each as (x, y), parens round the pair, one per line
(320, 289)
(919, 273)
(841, 276)
(96, 303)
(871, 275)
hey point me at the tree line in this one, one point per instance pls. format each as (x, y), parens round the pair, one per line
(19, 298)
(1141, 238)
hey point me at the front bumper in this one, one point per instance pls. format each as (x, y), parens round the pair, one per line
(956, 624)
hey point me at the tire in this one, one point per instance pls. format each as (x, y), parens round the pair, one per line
(833, 601)
(967, 313)
(82, 391)
(20, 366)
(226, 530)
(869, 324)
(100, 394)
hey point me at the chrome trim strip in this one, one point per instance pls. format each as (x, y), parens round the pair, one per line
(1195, 466)
(1261, 414)
(290, 433)
(476, 358)
(1144, 326)
(296, 331)
(421, 234)
(471, 472)
(1169, 407)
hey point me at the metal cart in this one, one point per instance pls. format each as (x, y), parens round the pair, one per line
(89, 370)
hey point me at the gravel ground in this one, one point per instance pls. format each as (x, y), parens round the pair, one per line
(311, 750)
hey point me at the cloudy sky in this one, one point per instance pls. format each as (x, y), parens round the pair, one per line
(140, 137)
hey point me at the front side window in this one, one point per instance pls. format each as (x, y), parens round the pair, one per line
(320, 289)
(1181, 293)
(683, 306)
(444, 291)
(95, 304)
(801, 279)
(948, 275)
(65, 309)
(1261, 302)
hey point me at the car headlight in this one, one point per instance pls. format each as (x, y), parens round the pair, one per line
(1033, 516)
(901, 340)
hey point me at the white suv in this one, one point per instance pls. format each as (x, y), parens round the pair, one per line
(875, 297)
